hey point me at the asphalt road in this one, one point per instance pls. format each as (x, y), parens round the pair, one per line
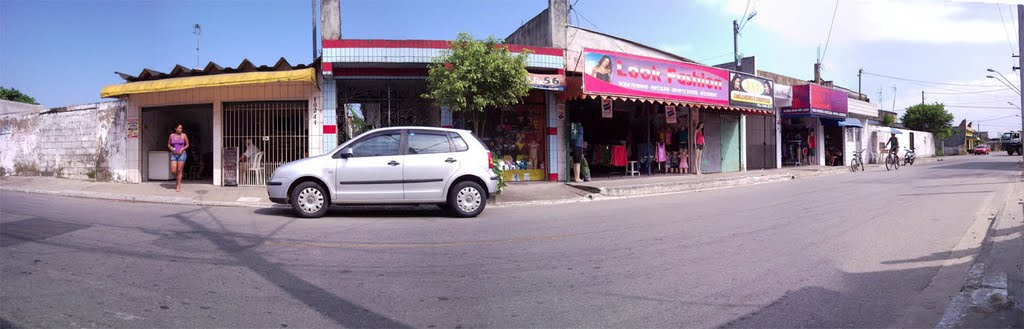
(867, 249)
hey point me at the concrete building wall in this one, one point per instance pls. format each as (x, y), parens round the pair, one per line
(330, 19)
(294, 91)
(80, 142)
(874, 136)
(12, 107)
(536, 32)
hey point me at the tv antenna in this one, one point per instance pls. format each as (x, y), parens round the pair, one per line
(197, 30)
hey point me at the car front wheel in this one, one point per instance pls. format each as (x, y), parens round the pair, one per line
(466, 199)
(310, 200)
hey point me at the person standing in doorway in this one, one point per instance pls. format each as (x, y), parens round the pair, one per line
(177, 142)
(812, 145)
(699, 142)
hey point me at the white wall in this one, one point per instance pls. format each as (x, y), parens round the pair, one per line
(924, 142)
(81, 142)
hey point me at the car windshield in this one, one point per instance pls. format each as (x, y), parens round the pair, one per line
(1007, 135)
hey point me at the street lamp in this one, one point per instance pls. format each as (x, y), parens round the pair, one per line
(1008, 85)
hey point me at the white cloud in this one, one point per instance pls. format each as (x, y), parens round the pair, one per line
(917, 21)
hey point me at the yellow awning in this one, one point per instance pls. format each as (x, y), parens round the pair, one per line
(231, 79)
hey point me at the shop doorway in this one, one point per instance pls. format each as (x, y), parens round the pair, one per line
(712, 157)
(371, 104)
(730, 142)
(760, 142)
(157, 125)
(834, 144)
(267, 134)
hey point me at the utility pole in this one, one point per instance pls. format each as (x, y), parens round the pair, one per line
(735, 44)
(1020, 58)
(859, 73)
(313, 17)
(922, 97)
(894, 99)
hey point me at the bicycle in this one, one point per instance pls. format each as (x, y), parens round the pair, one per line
(892, 161)
(857, 162)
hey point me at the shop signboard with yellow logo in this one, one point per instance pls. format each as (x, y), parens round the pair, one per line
(751, 92)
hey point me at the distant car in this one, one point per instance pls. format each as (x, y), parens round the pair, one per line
(981, 149)
(400, 165)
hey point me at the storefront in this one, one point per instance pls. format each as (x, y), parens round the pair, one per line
(370, 84)
(748, 91)
(242, 122)
(811, 130)
(640, 115)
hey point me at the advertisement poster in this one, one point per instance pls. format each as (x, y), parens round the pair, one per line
(613, 73)
(606, 108)
(133, 129)
(751, 92)
(670, 114)
(817, 100)
(230, 167)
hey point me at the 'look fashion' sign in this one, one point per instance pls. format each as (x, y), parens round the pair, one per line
(612, 73)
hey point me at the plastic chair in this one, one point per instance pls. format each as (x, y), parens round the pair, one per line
(256, 170)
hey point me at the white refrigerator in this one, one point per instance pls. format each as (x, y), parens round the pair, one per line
(159, 165)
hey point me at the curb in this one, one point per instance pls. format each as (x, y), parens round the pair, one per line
(143, 198)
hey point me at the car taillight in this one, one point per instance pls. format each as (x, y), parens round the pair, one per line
(490, 161)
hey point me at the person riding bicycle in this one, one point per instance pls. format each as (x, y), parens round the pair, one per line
(894, 145)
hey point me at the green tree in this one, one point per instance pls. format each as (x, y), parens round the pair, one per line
(11, 94)
(475, 75)
(932, 118)
(888, 120)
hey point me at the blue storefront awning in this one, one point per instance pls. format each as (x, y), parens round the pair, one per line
(851, 122)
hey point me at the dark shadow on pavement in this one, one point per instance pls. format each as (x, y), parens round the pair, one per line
(366, 212)
(341, 311)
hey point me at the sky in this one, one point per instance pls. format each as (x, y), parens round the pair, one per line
(63, 52)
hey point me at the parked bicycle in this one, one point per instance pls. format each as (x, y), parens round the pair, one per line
(908, 157)
(892, 161)
(857, 163)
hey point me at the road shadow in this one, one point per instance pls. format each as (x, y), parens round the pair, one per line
(343, 312)
(340, 212)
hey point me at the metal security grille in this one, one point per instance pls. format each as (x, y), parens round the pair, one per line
(382, 104)
(279, 133)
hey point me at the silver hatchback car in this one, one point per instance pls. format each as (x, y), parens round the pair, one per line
(400, 165)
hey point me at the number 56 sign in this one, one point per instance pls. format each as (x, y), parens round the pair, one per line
(547, 81)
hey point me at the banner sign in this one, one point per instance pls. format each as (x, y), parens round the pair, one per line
(606, 108)
(230, 167)
(547, 81)
(819, 101)
(751, 92)
(670, 114)
(613, 73)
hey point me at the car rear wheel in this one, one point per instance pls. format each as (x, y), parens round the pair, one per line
(310, 200)
(466, 199)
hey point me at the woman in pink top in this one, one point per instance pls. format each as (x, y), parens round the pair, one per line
(699, 141)
(177, 143)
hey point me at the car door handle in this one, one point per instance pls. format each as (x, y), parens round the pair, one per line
(450, 160)
(393, 163)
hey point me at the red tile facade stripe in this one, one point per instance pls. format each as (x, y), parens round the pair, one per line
(327, 67)
(552, 131)
(553, 177)
(330, 129)
(428, 44)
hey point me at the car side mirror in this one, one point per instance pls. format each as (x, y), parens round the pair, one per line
(344, 154)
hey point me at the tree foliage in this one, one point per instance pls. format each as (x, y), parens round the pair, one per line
(474, 75)
(11, 94)
(932, 118)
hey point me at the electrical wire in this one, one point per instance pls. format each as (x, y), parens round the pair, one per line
(710, 58)
(980, 107)
(830, 25)
(744, 17)
(966, 92)
(1008, 42)
(927, 82)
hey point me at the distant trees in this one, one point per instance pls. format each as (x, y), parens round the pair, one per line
(11, 94)
(932, 118)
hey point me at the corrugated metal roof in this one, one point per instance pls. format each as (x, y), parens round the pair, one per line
(211, 68)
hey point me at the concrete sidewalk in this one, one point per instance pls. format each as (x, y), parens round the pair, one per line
(516, 194)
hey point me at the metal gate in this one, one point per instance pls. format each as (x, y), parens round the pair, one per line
(378, 104)
(279, 132)
(760, 142)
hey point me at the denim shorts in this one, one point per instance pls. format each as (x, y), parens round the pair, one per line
(179, 157)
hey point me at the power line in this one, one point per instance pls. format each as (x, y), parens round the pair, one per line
(830, 25)
(981, 107)
(967, 92)
(1008, 42)
(719, 56)
(927, 82)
